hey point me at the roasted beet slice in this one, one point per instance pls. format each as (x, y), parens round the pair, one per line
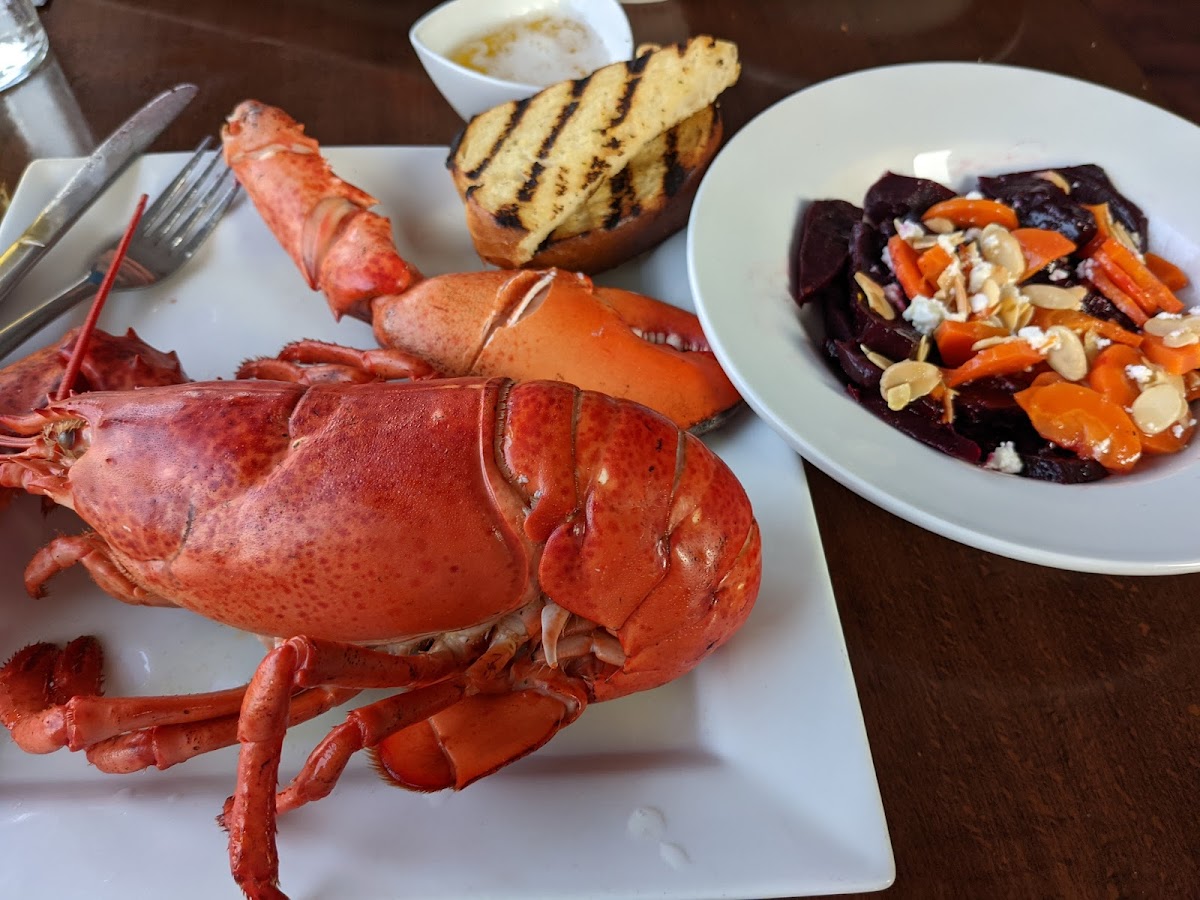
(1054, 464)
(821, 246)
(1090, 184)
(1096, 304)
(894, 338)
(920, 420)
(866, 252)
(900, 196)
(854, 363)
(1041, 204)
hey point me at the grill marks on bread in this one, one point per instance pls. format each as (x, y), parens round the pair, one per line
(650, 180)
(532, 164)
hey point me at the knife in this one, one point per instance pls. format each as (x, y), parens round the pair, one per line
(98, 172)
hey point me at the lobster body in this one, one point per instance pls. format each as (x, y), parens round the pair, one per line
(526, 325)
(381, 513)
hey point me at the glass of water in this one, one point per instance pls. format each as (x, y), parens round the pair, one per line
(23, 41)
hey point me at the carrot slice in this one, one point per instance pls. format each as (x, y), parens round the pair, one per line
(907, 268)
(1176, 360)
(1084, 421)
(1147, 282)
(1041, 246)
(933, 262)
(999, 359)
(1081, 323)
(1123, 280)
(1108, 374)
(1047, 377)
(955, 339)
(1116, 296)
(1167, 272)
(1168, 441)
(966, 213)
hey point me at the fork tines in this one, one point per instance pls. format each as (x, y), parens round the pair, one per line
(192, 204)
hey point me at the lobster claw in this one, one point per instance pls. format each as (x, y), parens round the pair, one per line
(558, 325)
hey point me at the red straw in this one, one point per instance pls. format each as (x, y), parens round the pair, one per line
(89, 324)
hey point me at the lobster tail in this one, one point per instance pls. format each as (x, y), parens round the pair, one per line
(471, 739)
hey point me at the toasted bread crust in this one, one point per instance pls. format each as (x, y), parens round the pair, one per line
(538, 176)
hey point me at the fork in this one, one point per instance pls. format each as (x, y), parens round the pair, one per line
(171, 230)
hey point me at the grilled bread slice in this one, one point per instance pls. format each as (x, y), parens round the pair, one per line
(525, 167)
(640, 206)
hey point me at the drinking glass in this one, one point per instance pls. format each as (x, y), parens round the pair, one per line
(23, 41)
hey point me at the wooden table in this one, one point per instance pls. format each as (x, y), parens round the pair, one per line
(1035, 731)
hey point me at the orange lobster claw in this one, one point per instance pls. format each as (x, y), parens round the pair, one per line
(553, 324)
(471, 739)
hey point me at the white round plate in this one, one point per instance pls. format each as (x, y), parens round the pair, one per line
(948, 122)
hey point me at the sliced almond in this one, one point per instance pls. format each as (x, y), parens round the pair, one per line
(923, 348)
(876, 299)
(905, 381)
(1055, 179)
(999, 247)
(938, 225)
(877, 359)
(1158, 407)
(948, 406)
(984, 343)
(1109, 225)
(898, 397)
(1093, 344)
(1066, 355)
(991, 290)
(1163, 325)
(1181, 338)
(1049, 296)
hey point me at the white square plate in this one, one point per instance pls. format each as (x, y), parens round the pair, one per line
(750, 777)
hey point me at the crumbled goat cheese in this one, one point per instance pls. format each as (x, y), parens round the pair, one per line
(1037, 339)
(1103, 447)
(926, 313)
(887, 259)
(980, 303)
(1005, 459)
(974, 195)
(1100, 342)
(980, 272)
(1177, 430)
(1057, 273)
(908, 229)
(1143, 375)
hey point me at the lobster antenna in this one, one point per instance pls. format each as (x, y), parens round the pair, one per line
(89, 324)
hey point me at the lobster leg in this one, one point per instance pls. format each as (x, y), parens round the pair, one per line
(93, 553)
(163, 746)
(253, 856)
(322, 361)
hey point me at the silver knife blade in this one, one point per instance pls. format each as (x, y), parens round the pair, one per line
(99, 171)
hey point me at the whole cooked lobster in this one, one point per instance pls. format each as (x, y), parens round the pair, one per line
(525, 324)
(501, 554)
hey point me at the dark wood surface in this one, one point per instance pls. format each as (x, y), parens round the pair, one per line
(1036, 733)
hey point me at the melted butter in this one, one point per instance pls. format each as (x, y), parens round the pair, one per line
(541, 49)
